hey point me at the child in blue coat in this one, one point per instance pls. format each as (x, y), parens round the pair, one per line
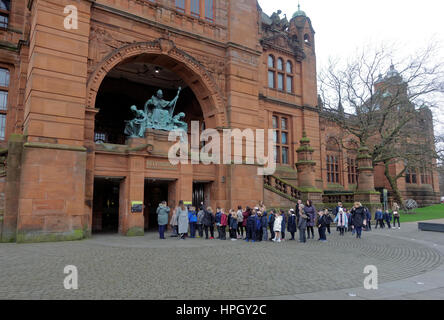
(192, 218)
(251, 227)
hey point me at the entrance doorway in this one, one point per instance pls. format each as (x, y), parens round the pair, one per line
(155, 192)
(106, 205)
(201, 194)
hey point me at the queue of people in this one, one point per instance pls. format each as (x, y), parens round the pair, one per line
(256, 223)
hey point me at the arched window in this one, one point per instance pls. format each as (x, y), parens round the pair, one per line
(270, 62)
(289, 67)
(280, 74)
(4, 88)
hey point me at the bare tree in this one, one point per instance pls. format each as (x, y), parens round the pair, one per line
(390, 114)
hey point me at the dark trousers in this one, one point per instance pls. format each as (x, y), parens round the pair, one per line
(192, 229)
(310, 229)
(259, 235)
(200, 230)
(358, 232)
(379, 222)
(283, 234)
(292, 235)
(328, 229)
(240, 230)
(162, 231)
(341, 230)
(251, 234)
(233, 234)
(211, 231)
(302, 237)
(394, 222)
(273, 235)
(322, 235)
(223, 233)
(388, 224)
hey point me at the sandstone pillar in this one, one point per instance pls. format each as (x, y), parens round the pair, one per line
(366, 192)
(307, 172)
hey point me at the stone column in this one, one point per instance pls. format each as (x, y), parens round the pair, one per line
(132, 190)
(12, 188)
(306, 171)
(366, 192)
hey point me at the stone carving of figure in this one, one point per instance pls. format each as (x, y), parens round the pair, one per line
(136, 128)
(178, 124)
(162, 110)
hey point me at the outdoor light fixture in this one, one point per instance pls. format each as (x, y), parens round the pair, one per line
(157, 70)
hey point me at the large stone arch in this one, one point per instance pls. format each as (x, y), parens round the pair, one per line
(192, 72)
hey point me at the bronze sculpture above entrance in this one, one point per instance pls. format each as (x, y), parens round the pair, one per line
(160, 118)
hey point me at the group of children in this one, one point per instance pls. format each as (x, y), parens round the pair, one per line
(256, 223)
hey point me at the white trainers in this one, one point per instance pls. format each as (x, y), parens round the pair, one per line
(274, 240)
(279, 240)
(399, 228)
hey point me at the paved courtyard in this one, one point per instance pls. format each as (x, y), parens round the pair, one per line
(410, 265)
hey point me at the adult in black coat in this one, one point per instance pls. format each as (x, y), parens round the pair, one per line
(208, 222)
(359, 218)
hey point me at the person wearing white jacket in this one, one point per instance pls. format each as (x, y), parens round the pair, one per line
(277, 227)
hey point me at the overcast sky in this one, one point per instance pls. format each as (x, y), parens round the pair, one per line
(342, 26)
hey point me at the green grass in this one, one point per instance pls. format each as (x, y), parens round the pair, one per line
(423, 214)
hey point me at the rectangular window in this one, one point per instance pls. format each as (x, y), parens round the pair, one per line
(3, 100)
(180, 5)
(271, 79)
(289, 84)
(333, 169)
(276, 155)
(2, 126)
(284, 124)
(281, 139)
(209, 10)
(285, 155)
(280, 81)
(275, 122)
(284, 138)
(4, 87)
(195, 8)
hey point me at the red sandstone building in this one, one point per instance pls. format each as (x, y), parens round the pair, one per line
(65, 95)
